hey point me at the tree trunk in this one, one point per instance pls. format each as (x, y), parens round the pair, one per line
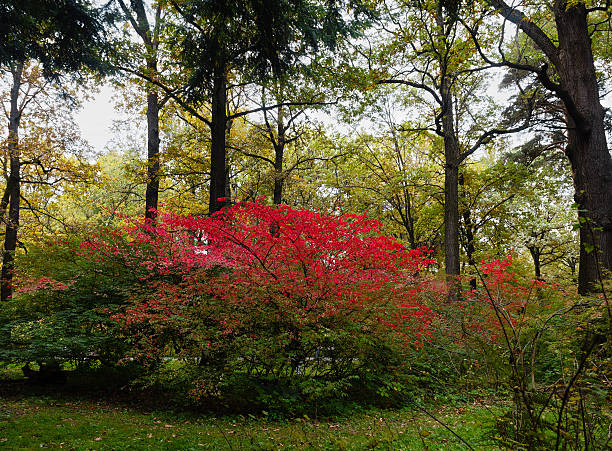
(452, 152)
(451, 191)
(279, 152)
(451, 218)
(152, 192)
(587, 148)
(469, 243)
(535, 255)
(218, 189)
(279, 180)
(407, 219)
(13, 189)
(150, 39)
(571, 263)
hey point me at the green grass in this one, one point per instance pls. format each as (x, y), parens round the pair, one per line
(35, 417)
(84, 424)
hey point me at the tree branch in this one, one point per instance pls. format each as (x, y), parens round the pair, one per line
(529, 28)
(271, 107)
(541, 73)
(412, 84)
(169, 92)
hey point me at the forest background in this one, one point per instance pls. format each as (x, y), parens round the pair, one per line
(473, 136)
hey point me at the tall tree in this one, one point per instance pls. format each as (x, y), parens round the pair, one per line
(246, 41)
(12, 192)
(437, 61)
(407, 195)
(52, 155)
(486, 189)
(43, 31)
(149, 33)
(565, 40)
(283, 125)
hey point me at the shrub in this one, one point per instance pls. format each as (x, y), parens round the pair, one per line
(267, 307)
(545, 347)
(59, 311)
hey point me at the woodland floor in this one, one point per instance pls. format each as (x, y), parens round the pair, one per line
(67, 418)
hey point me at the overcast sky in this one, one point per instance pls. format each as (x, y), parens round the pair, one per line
(96, 119)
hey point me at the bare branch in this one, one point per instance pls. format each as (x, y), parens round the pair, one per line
(413, 84)
(172, 93)
(529, 28)
(271, 107)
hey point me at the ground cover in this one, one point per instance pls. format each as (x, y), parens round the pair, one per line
(54, 417)
(48, 423)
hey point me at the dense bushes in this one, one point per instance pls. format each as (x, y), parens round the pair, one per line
(59, 310)
(289, 312)
(260, 307)
(542, 348)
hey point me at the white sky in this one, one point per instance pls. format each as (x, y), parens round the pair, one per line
(96, 118)
(97, 115)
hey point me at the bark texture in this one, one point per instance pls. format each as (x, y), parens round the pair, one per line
(218, 177)
(452, 153)
(279, 153)
(153, 165)
(12, 195)
(587, 147)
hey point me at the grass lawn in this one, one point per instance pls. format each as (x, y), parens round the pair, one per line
(34, 419)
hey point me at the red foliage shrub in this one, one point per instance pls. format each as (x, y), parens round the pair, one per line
(250, 260)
